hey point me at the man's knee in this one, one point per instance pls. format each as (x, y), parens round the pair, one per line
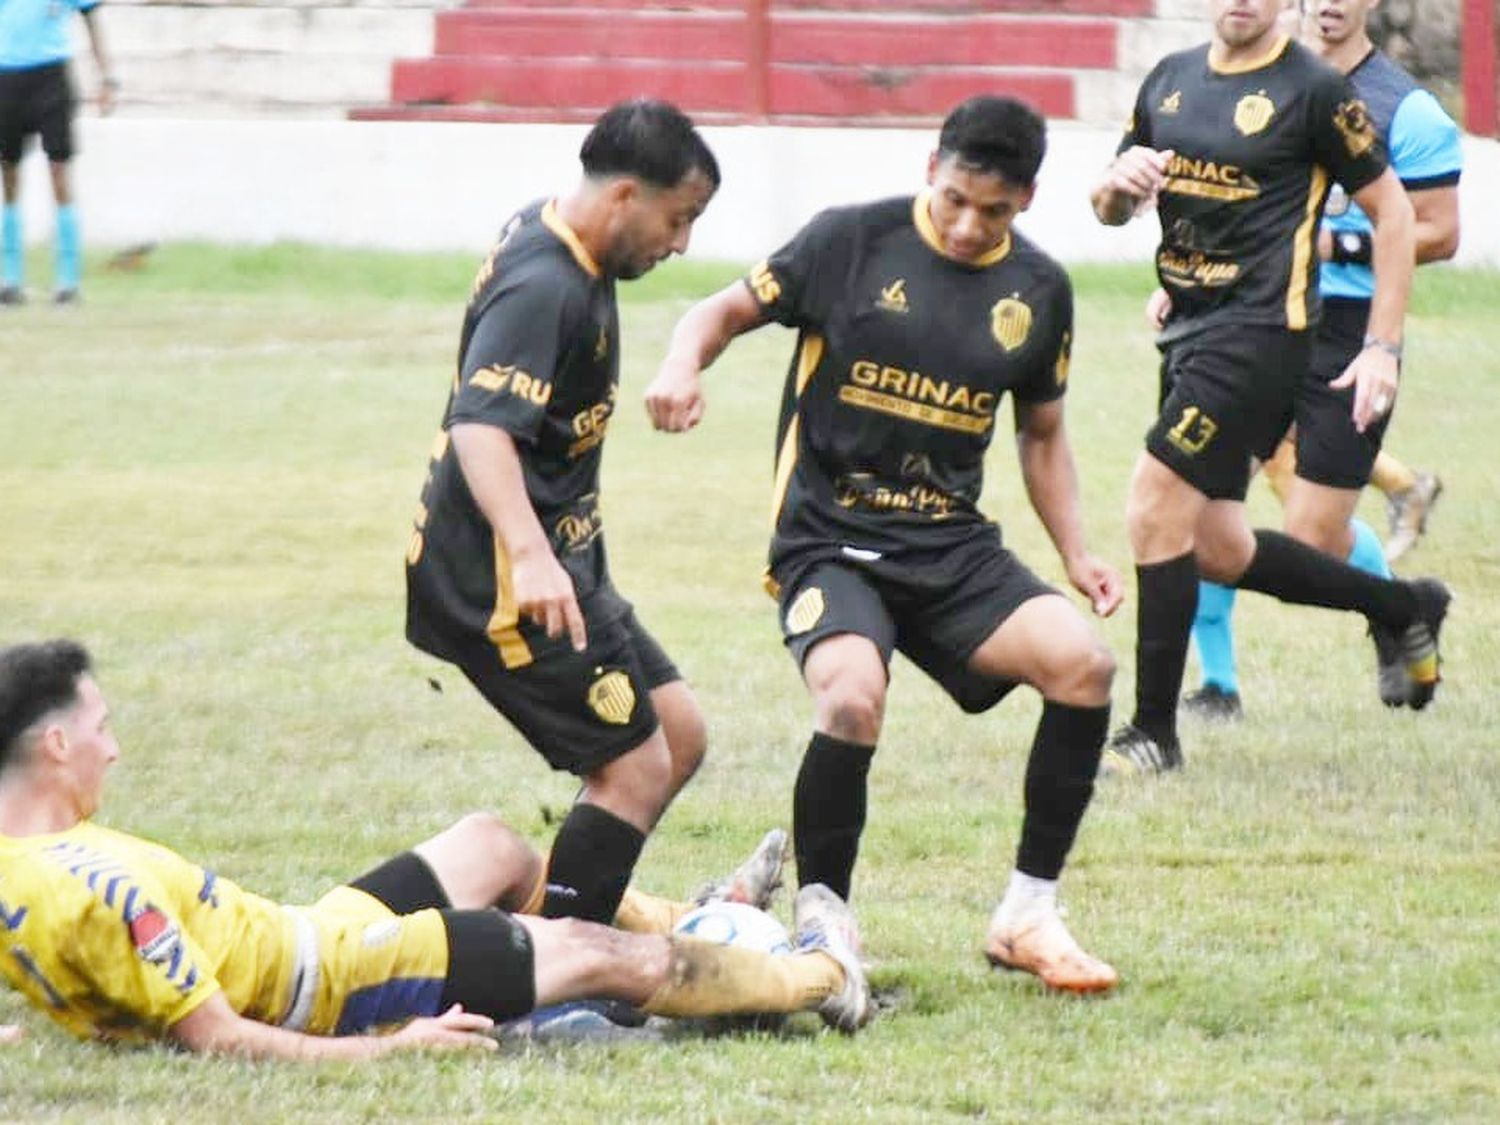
(1080, 674)
(851, 707)
(516, 864)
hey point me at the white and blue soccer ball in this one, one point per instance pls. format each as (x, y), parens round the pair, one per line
(735, 923)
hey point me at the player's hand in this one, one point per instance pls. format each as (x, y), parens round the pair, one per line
(454, 1029)
(1375, 376)
(544, 593)
(11, 1033)
(1158, 308)
(109, 96)
(1139, 172)
(1096, 580)
(674, 400)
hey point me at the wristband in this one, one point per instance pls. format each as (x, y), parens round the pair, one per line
(1390, 349)
(1352, 248)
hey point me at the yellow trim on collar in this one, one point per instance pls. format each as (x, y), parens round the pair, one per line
(1254, 64)
(569, 238)
(921, 218)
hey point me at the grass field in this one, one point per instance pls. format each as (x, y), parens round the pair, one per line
(207, 473)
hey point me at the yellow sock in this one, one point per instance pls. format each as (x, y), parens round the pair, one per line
(720, 980)
(641, 913)
(1390, 475)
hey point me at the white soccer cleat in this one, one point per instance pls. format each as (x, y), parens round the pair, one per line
(826, 924)
(755, 881)
(1039, 943)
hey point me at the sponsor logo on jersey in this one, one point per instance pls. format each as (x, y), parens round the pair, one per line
(380, 933)
(764, 285)
(612, 697)
(893, 297)
(578, 529)
(591, 424)
(862, 490)
(1352, 120)
(1188, 271)
(918, 397)
(1208, 179)
(1171, 104)
(1010, 322)
(154, 935)
(806, 611)
(1254, 113)
(508, 379)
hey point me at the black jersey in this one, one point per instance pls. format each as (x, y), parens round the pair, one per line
(1255, 150)
(902, 357)
(539, 358)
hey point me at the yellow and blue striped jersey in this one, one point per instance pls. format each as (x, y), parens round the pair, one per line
(116, 937)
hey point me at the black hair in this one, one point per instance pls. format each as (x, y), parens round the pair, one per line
(1001, 137)
(651, 140)
(36, 679)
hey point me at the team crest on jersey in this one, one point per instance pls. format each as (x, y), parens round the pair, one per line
(893, 297)
(1171, 104)
(155, 936)
(1010, 322)
(806, 611)
(1253, 113)
(612, 697)
(1352, 120)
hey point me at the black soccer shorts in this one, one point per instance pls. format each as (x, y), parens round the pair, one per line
(1330, 451)
(37, 101)
(935, 607)
(1229, 395)
(580, 710)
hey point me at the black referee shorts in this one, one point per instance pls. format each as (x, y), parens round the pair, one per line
(1330, 451)
(37, 101)
(1229, 395)
(936, 607)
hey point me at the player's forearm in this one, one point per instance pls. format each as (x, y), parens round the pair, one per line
(97, 46)
(491, 467)
(707, 328)
(1394, 260)
(214, 1028)
(1052, 486)
(1112, 207)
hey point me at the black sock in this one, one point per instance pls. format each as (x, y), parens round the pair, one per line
(1059, 782)
(1165, 600)
(1294, 572)
(828, 811)
(592, 858)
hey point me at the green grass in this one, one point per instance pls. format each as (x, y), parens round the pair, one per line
(208, 471)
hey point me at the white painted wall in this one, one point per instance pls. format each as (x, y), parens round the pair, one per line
(410, 186)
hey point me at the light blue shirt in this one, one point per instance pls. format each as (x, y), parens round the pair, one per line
(1424, 148)
(35, 32)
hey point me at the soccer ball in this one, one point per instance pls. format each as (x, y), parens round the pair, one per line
(735, 923)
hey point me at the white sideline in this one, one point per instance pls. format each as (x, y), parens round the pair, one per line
(417, 186)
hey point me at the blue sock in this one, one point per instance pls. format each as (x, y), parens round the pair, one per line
(1367, 554)
(12, 257)
(1214, 634)
(68, 257)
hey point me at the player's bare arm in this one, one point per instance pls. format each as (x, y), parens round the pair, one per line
(1376, 370)
(1436, 213)
(543, 590)
(1052, 486)
(1129, 183)
(109, 85)
(216, 1028)
(674, 400)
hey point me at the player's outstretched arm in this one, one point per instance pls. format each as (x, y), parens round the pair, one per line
(1052, 485)
(1129, 184)
(542, 589)
(674, 400)
(216, 1028)
(1375, 371)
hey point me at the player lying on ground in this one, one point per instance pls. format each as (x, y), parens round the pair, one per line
(117, 938)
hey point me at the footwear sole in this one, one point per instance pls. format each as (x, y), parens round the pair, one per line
(1084, 988)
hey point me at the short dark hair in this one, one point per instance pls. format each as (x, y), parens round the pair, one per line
(1002, 137)
(651, 140)
(36, 679)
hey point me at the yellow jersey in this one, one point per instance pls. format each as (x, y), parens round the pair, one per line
(116, 937)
